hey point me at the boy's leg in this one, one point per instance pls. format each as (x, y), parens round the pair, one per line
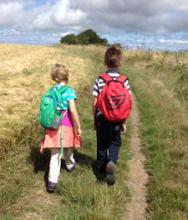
(114, 147)
(54, 168)
(115, 142)
(102, 138)
(69, 159)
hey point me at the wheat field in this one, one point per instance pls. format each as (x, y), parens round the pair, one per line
(25, 76)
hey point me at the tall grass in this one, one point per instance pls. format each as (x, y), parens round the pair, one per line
(174, 76)
(164, 131)
(20, 94)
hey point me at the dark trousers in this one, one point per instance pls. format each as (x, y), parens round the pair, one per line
(108, 140)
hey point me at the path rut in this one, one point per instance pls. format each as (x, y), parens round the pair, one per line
(137, 177)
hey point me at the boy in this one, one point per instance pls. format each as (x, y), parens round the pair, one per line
(108, 132)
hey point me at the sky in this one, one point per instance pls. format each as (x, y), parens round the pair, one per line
(157, 25)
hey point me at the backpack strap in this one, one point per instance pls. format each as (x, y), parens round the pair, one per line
(106, 77)
(122, 78)
(57, 93)
(63, 89)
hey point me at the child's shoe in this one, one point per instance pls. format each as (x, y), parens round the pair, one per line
(71, 167)
(51, 187)
(110, 173)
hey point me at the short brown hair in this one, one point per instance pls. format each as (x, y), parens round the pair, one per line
(113, 56)
(59, 73)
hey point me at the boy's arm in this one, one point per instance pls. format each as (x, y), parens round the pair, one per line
(123, 127)
(127, 86)
(95, 94)
(94, 105)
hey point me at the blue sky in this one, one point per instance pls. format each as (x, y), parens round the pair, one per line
(161, 24)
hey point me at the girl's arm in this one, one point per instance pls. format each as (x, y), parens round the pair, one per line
(75, 116)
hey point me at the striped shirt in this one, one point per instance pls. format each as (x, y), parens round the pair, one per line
(100, 83)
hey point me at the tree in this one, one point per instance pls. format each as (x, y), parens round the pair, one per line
(69, 39)
(86, 37)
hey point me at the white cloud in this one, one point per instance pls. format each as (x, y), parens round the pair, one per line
(173, 41)
(59, 15)
(137, 16)
(10, 13)
(10, 1)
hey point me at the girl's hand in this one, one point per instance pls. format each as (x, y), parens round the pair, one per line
(78, 131)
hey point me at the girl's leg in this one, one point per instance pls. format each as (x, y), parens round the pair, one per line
(55, 165)
(69, 158)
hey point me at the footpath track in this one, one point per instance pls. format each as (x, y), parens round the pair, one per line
(137, 177)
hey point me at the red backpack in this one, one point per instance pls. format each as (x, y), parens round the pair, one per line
(114, 100)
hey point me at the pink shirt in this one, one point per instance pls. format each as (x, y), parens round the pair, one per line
(67, 119)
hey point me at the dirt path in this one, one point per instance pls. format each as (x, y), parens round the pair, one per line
(137, 178)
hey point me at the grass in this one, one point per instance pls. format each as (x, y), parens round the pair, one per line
(83, 197)
(20, 93)
(159, 82)
(19, 131)
(164, 132)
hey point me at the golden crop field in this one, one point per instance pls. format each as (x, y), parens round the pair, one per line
(25, 76)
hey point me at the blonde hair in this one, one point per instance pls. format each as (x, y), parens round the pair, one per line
(59, 73)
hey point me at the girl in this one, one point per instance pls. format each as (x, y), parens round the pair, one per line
(68, 134)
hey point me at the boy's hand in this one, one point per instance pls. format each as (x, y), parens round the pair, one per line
(94, 126)
(123, 128)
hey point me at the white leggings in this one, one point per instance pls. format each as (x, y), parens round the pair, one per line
(55, 165)
(55, 162)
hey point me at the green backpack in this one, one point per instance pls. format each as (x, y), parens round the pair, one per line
(50, 108)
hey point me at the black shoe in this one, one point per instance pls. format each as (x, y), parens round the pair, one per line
(110, 173)
(51, 187)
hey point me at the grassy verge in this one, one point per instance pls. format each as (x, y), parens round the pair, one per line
(164, 132)
(82, 196)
